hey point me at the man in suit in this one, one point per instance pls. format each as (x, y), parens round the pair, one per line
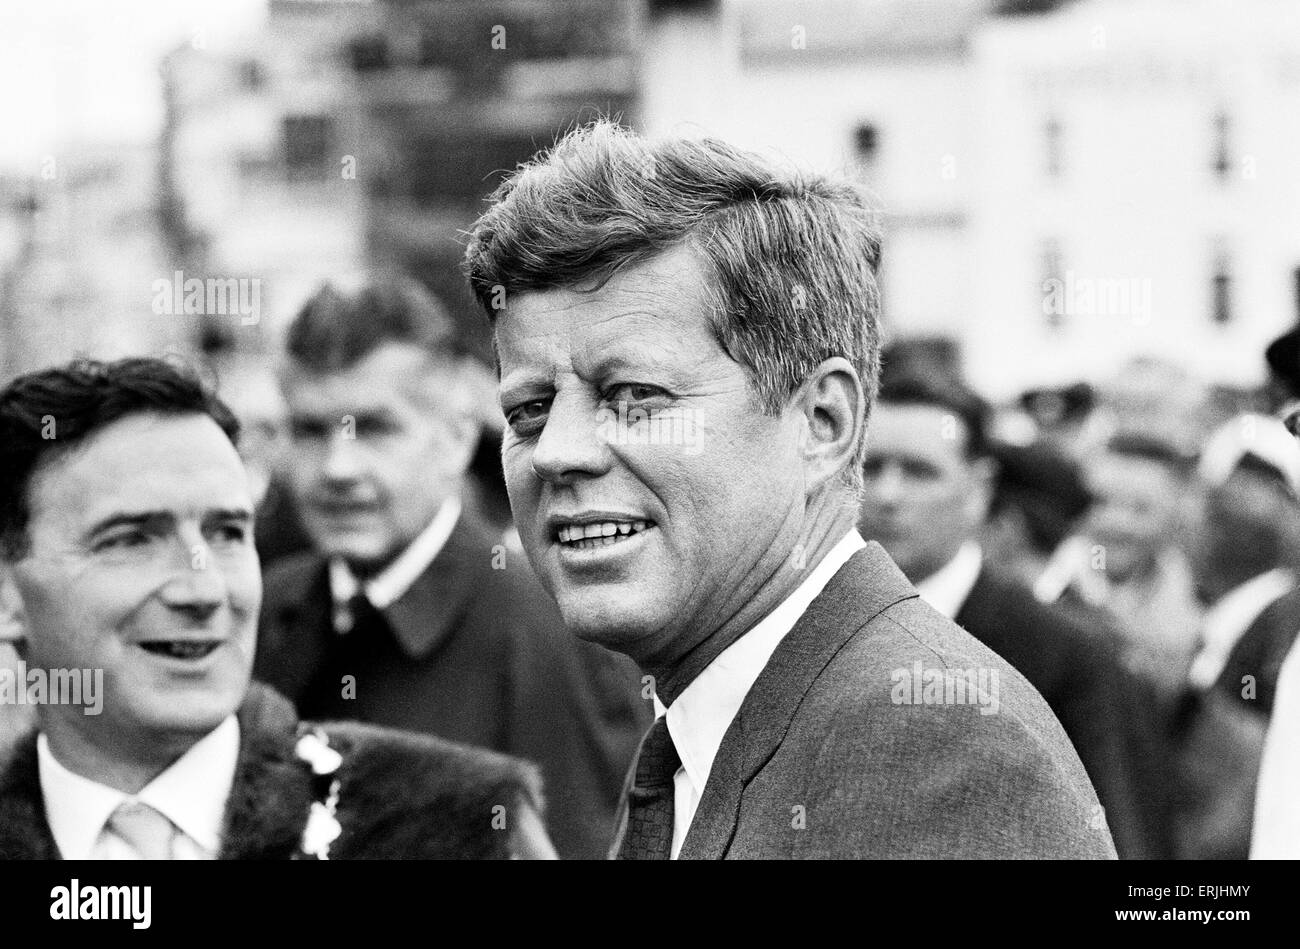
(1245, 560)
(688, 347)
(129, 581)
(929, 480)
(412, 612)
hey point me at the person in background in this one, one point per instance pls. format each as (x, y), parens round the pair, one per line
(1130, 554)
(1244, 560)
(929, 482)
(411, 612)
(127, 557)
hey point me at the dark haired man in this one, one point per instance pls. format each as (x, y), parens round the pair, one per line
(929, 480)
(126, 554)
(412, 612)
(688, 348)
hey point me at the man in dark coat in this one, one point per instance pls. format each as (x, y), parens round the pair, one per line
(412, 612)
(130, 585)
(928, 486)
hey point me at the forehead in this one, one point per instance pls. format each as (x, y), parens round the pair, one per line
(142, 462)
(393, 372)
(1127, 474)
(653, 311)
(927, 430)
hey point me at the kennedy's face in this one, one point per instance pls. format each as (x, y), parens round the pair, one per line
(647, 484)
(376, 448)
(141, 563)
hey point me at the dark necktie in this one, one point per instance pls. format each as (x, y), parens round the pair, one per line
(649, 834)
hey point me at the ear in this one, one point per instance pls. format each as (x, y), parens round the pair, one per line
(13, 621)
(833, 407)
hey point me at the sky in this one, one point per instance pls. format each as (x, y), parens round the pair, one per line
(88, 69)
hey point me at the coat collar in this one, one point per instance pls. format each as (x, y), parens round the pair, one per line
(868, 584)
(426, 614)
(265, 815)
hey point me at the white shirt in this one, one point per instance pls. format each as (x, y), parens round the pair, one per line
(1228, 619)
(386, 587)
(701, 715)
(191, 793)
(948, 587)
(1275, 834)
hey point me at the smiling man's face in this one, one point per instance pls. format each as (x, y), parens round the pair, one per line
(627, 420)
(141, 563)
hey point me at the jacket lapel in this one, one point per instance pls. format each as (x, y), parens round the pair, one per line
(24, 831)
(425, 615)
(867, 584)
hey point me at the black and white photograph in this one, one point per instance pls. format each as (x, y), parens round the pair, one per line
(626, 430)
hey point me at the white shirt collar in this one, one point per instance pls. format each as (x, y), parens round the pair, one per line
(701, 715)
(191, 793)
(387, 587)
(1228, 619)
(947, 588)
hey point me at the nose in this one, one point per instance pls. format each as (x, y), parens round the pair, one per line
(197, 586)
(573, 444)
(342, 458)
(886, 488)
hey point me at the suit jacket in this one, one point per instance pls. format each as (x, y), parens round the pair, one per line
(1107, 713)
(1260, 652)
(400, 796)
(473, 654)
(834, 755)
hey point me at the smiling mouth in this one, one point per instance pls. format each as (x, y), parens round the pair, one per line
(182, 649)
(600, 533)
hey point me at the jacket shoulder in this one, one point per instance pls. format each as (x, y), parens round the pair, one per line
(943, 749)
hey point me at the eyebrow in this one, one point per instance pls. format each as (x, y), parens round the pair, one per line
(158, 518)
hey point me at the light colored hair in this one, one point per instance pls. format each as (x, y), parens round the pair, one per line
(792, 257)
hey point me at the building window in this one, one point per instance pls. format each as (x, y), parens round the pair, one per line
(1222, 145)
(1052, 136)
(252, 77)
(1221, 289)
(306, 143)
(369, 53)
(866, 147)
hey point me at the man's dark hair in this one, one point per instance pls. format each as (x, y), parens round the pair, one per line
(791, 259)
(337, 328)
(47, 413)
(950, 397)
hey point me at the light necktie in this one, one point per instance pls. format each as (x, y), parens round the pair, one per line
(649, 834)
(144, 830)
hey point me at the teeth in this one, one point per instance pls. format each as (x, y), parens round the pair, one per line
(600, 534)
(180, 650)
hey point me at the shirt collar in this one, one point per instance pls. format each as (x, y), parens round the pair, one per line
(191, 793)
(699, 718)
(948, 587)
(390, 584)
(1231, 615)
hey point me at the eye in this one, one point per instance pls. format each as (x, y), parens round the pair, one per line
(528, 418)
(232, 533)
(634, 392)
(121, 540)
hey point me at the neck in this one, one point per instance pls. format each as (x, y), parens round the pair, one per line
(127, 766)
(824, 526)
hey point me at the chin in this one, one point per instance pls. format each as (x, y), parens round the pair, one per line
(616, 622)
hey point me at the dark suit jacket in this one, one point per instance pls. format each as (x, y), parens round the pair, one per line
(476, 655)
(1107, 713)
(829, 757)
(400, 796)
(1260, 652)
